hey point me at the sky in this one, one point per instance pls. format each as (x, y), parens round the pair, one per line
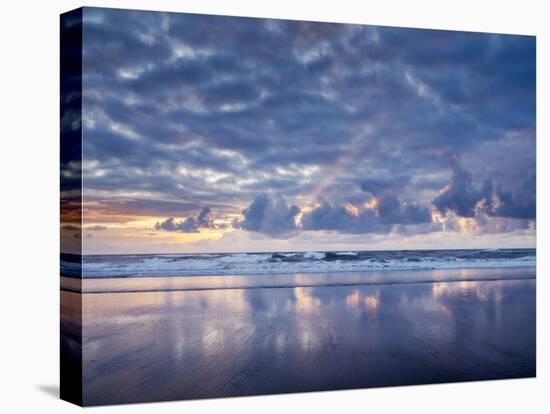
(215, 134)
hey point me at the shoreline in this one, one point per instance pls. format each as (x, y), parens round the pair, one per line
(221, 343)
(304, 271)
(293, 280)
(420, 282)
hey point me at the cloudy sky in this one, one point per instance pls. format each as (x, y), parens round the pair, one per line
(210, 133)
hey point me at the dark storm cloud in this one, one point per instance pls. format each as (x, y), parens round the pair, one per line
(213, 110)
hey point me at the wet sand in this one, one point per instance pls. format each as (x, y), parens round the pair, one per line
(187, 344)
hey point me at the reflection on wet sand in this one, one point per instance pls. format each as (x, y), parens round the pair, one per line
(172, 283)
(191, 344)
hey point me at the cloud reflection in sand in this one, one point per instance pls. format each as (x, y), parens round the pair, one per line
(189, 344)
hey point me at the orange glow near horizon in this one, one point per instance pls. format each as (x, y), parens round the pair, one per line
(129, 228)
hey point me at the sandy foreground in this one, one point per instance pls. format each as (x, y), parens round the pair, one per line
(164, 344)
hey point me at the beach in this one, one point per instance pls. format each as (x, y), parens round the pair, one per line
(262, 206)
(144, 340)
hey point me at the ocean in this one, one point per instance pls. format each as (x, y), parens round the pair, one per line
(207, 264)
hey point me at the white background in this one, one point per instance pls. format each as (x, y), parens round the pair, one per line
(29, 146)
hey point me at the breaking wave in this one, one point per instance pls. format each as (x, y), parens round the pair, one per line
(106, 266)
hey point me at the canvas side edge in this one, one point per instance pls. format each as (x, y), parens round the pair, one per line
(71, 206)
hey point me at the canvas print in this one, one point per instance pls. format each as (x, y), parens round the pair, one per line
(260, 206)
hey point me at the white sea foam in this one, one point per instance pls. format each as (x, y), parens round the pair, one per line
(314, 255)
(300, 262)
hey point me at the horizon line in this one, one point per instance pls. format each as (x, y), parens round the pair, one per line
(297, 251)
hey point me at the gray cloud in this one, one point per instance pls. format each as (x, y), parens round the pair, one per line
(275, 218)
(390, 210)
(191, 224)
(521, 203)
(462, 195)
(203, 219)
(338, 218)
(377, 186)
(170, 224)
(466, 199)
(210, 110)
(387, 212)
(268, 216)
